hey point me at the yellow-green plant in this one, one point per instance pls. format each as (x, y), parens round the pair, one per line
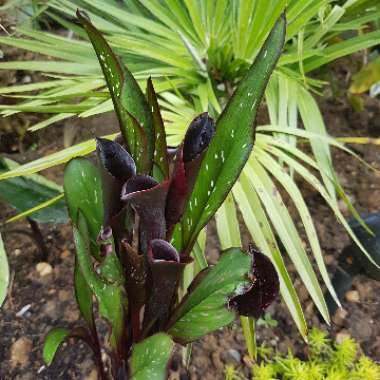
(326, 361)
(196, 51)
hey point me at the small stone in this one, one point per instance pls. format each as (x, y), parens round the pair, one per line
(234, 354)
(93, 375)
(342, 336)
(20, 351)
(64, 295)
(65, 254)
(44, 269)
(342, 206)
(17, 252)
(353, 296)
(329, 259)
(51, 310)
(340, 316)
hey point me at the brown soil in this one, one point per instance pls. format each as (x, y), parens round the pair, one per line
(50, 300)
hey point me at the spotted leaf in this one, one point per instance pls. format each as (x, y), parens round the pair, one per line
(160, 150)
(233, 141)
(204, 308)
(150, 358)
(127, 97)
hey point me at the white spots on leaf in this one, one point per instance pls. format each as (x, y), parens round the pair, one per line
(244, 145)
(207, 167)
(216, 156)
(232, 133)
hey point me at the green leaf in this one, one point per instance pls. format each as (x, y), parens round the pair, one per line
(4, 272)
(150, 358)
(261, 232)
(26, 194)
(204, 307)
(228, 230)
(366, 77)
(227, 224)
(285, 228)
(110, 296)
(295, 194)
(313, 122)
(52, 341)
(84, 297)
(54, 159)
(83, 191)
(127, 97)
(39, 207)
(233, 140)
(160, 150)
(248, 327)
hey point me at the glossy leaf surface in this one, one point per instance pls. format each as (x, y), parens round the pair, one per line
(233, 140)
(126, 95)
(160, 149)
(204, 308)
(110, 297)
(4, 272)
(24, 193)
(82, 185)
(52, 342)
(150, 357)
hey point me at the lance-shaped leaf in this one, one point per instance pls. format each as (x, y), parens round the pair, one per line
(4, 272)
(217, 291)
(84, 297)
(127, 97)
(148, 199)
(26, 193)
(262, 292)
(204, 308)
(166, 268)
(160, 149)
(150, 358)
(82, 185)
(83, 191)
(233, 141)
(57, 336)
(109, 296)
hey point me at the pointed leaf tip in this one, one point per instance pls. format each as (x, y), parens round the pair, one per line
(81, 14)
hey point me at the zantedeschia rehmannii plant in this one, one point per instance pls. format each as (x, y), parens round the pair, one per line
(136, 216)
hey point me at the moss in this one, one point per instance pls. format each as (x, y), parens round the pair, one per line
(326, 361)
